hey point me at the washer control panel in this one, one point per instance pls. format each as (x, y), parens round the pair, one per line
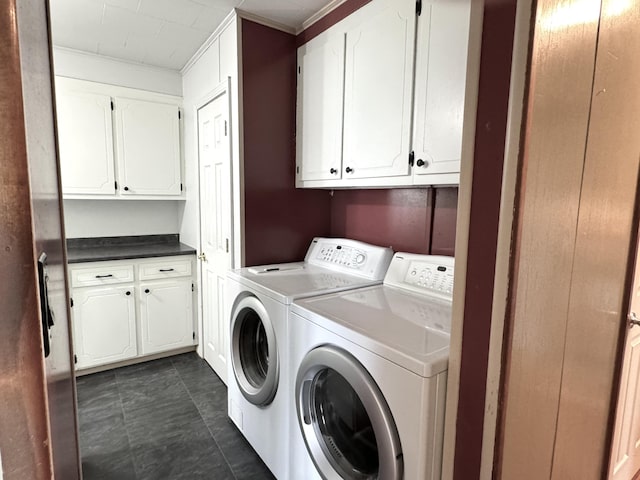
(350, 256)
(426, 274)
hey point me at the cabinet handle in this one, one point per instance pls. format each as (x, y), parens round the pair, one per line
(333, 171)
(166, 270)
(126, 189)
(128, 293)
(146, 290)
(348, 169)
(421, 163)
(104, 276)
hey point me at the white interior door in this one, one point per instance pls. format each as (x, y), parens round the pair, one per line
(215, 223)
(625, 458)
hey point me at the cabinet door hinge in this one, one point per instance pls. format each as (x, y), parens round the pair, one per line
(194, 335)
(225, 128)
(418, 7)
(75, 358)
(412, 157)
(181, 187)
(71, 302)
(112, 107)
(299, 70)
(227, 244)
(116, 185)
(179, 115)
(193, 287)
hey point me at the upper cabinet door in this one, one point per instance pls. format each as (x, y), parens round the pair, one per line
(319, 107)
(148, 146)
(441, 67)
(378, 90)
(86, 142)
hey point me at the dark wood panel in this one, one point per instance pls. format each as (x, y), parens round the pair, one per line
(557, 115)
(280, 220)
(603, 259)
(23, 420)
(48, 231)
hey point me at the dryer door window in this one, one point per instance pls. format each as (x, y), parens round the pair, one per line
(345, 420)
(254, 354)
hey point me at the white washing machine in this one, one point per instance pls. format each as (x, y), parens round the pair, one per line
(369, 372)
(257, 302)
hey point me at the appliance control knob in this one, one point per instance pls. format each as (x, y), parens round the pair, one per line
(359, 259)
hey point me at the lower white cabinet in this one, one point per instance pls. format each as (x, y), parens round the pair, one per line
(166, 320)
(104, 325)
(124, 309)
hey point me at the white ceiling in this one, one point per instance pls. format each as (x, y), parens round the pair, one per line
(163, 33)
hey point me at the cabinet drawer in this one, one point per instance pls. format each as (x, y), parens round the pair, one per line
(168, 269)
(87, 277)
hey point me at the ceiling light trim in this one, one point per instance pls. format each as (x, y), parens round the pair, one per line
(265, 21)
(208, 42)
(327, 9)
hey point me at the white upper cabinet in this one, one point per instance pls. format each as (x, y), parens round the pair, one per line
(387, 110)
(378, 90)
(118, 142)
(148, 146)
(319, 112)
(86, 146)
(441, 67)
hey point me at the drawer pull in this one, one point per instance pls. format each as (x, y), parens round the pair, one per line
(166, 269)
(104, 276)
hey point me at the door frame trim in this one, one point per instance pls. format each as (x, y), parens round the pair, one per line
(223, 88)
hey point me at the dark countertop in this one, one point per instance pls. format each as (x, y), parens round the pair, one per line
(100, 249)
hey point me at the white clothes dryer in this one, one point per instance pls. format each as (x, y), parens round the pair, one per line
(257, 304)
(369, 373)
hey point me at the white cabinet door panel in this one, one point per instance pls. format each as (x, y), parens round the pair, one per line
(104, 325)
(378, 90)
(441, 66)
(86, 142)
(319, 108)
(148, 146)
(166, 319)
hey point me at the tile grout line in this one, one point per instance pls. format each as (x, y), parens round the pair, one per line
(205, 423)
(126, 428)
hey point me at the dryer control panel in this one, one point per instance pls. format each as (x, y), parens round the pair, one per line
(425, 274)
(351, 256)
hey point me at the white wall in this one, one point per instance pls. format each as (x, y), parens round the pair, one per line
(108, 218)
(96, 68)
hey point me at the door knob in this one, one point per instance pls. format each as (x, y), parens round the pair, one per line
(333, 171)
(421, 163)
(202, 257)
(348, 169)
(633, 320)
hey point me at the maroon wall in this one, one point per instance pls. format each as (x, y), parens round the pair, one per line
(280, 220)
(491, 124)
(417, 220)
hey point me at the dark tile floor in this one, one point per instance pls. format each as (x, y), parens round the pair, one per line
(164, 419)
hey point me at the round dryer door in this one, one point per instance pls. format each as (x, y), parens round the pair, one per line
(254, 354)
(345, 420)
